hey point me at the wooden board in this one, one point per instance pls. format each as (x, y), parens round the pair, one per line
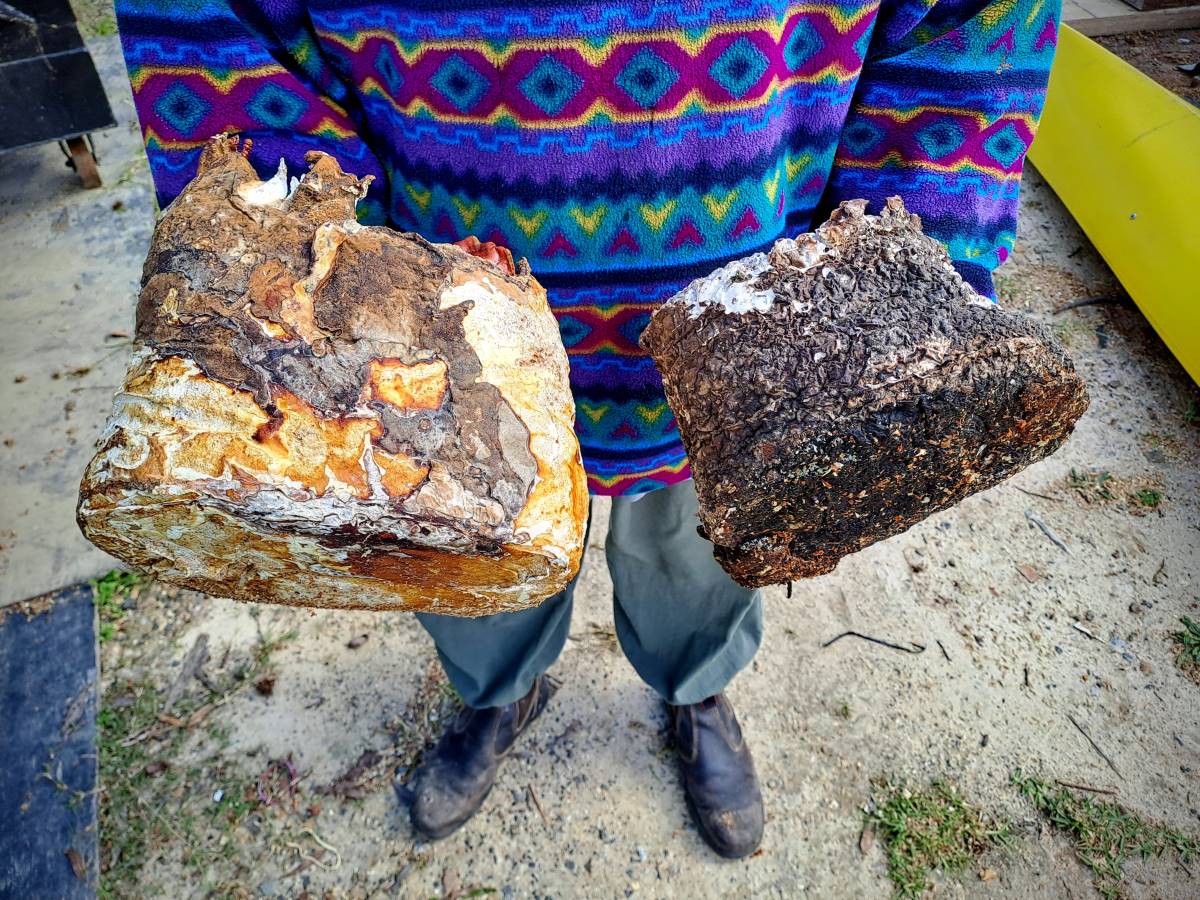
(1129, 20)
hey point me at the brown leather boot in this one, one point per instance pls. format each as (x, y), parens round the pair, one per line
(718, 776)
(455, 777)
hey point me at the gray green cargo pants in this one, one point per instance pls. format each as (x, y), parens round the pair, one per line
(684, 624)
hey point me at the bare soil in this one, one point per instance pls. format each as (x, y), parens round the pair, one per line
(280, 778)
(1020, 637)
(1157, 53)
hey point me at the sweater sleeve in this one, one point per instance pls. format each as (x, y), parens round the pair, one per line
(201, 67)
(945, 109)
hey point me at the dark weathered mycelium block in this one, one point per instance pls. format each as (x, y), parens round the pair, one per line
(326, 414)
(844, 386)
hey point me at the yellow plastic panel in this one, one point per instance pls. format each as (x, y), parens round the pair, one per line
(1123, 153)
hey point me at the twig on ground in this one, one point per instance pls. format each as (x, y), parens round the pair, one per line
(1119, 300)
(324, 845)
(1084, 787)
(1159, 571)
(303, 866)
(1095, 746)
(943, 649)
(537, 803)
(1084, 631)
(1040, 496)
(192, 664)
(1027, 684)
(911, 648)
(352, 784)
(207, 682)
(1046, 530)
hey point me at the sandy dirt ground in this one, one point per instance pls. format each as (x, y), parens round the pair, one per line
(1020, 636)
(1159, 54)
(72, 260)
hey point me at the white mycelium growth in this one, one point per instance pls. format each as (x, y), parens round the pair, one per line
(732, 286)
(268, 193)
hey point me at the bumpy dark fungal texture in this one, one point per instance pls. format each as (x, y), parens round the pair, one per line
(875, 390)
(209, 321)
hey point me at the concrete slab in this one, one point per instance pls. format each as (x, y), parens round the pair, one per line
(71, 260)
(1072, 12)
(1098, 8)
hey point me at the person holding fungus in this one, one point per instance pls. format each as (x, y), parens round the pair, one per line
(625, 149)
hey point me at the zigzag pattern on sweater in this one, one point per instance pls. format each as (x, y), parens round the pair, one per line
(624, 148)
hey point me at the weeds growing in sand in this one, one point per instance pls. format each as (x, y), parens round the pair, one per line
(931, 829)
(1105, 833)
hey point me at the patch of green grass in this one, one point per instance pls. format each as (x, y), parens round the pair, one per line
(235, 804)
(1191, 415)
(95, 17)
(1069, 331)
(109, 592)
(1105, 833)
(1090, 484)
(128, 825)
(1006, 286)
(268, 645)
(140, 777)
(843, 711)
(1188, 642)
(1154, 439)
(1148, 497)
(931, 829)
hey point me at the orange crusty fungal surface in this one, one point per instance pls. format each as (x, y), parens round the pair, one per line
(319, 413)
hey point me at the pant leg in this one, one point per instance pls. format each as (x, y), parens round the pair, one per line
(494, 660)
(684, 624)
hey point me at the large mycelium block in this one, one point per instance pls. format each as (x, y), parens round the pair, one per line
(324, 414)
(845, 386)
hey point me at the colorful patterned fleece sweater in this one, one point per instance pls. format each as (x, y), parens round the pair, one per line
(625, 148)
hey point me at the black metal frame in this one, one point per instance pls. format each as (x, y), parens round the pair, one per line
(49, 88)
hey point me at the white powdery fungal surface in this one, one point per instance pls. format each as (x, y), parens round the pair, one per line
(732, 287)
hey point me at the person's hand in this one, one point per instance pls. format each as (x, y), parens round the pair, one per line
(501, 256)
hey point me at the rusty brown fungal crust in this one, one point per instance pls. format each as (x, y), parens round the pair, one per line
(325, 414)
(843, 387)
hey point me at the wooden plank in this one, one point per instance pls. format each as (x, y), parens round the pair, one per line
(84, 162)
(1155, 20)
